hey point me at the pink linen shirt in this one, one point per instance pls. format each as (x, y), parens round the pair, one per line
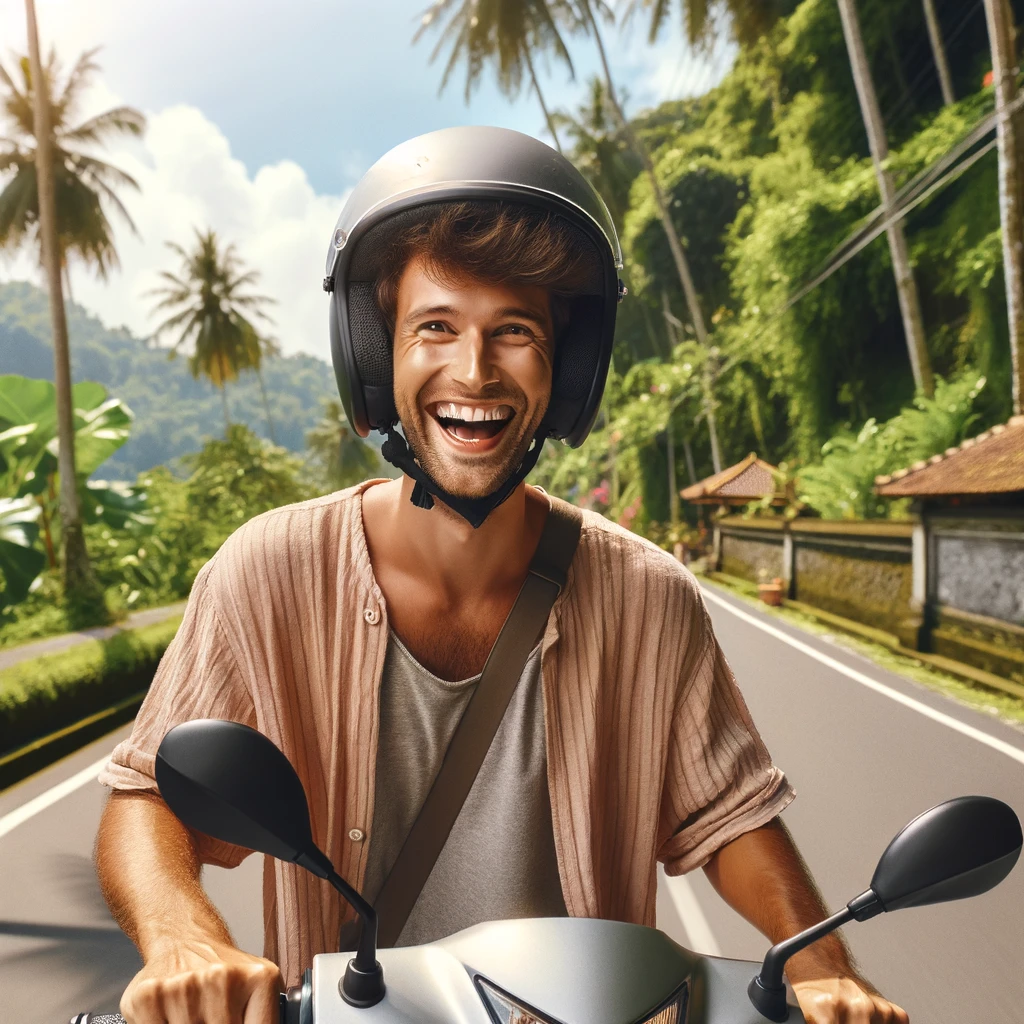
(651, 752)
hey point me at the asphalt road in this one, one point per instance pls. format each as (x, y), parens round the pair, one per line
(865, 749)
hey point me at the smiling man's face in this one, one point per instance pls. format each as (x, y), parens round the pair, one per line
(472, 374)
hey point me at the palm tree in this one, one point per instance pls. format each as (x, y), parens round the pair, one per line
(748, 20)
(1002, 35)
(939, 53)
(600, 150)
(56, 195)
(906, 285)
(83, 184)
(339, 454)
(209, 310)
(269, 349)
(505, 33)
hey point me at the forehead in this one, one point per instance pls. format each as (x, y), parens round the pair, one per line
(425, 284)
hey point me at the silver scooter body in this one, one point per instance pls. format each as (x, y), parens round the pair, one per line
(549, 970)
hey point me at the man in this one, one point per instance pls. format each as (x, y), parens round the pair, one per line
(473, 282)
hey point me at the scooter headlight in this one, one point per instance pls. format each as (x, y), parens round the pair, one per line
(506, 1010)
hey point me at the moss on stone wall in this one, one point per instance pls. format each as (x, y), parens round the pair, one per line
(874, 590)
(750, 559)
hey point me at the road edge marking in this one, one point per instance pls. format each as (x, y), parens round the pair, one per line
(872, 684)
(698, 930)
(20, 815)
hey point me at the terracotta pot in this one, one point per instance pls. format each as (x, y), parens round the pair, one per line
(771, 593)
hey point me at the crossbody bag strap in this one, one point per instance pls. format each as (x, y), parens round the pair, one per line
(480, 721)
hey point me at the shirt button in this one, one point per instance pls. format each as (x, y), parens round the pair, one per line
(372, 616)
(356, 835)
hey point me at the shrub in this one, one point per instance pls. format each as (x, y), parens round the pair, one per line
(44, 694)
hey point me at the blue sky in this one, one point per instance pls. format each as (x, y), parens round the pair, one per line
(262, 115)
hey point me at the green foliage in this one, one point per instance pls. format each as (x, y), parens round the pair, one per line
(239, 477)
(842, 485)
(20, 561)
(29, 478)
(44, 694)
(338, 457)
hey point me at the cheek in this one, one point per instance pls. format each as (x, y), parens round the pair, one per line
(412, 367)
(530, 368)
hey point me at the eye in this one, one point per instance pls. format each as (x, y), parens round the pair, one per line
(434, 326)
(516, 329)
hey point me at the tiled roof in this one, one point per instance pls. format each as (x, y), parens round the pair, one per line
(746, 481)
(991, 463)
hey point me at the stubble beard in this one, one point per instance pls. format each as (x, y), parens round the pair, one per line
(472, 476)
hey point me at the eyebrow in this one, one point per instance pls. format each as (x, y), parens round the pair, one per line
(514, 312)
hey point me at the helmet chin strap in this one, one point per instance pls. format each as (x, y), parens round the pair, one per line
(474, 510)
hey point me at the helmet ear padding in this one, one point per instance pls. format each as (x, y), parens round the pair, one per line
(372, 346)
(577, 354)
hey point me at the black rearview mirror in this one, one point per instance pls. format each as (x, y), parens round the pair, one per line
(958, 849)
(232, 783)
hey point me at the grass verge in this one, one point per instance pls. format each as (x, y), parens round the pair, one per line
(46, 694)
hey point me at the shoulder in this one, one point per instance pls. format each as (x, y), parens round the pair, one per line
(320, 536)
(630, 556)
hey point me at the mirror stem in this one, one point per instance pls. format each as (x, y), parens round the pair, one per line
(363, 984)
(767, 990)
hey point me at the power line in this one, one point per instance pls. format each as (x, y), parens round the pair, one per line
(925, 184)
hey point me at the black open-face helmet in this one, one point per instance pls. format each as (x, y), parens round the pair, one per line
(475, 164)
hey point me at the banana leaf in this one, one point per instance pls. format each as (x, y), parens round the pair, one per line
(20, 561)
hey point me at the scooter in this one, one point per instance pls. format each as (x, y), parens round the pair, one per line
(232, 783)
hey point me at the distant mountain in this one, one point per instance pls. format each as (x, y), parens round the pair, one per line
(173, 412)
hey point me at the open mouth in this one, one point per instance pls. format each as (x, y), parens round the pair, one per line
(476, 425)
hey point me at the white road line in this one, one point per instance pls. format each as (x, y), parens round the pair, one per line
(18, 817)
(872, 684)
(698, 932)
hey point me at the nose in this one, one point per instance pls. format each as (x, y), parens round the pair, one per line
(471, 364)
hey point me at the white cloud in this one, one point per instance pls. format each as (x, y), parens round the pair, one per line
(188, 179)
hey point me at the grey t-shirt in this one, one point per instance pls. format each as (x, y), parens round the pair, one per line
(499, 861)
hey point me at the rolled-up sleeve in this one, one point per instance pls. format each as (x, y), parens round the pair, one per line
(197, 677)
(720, 780)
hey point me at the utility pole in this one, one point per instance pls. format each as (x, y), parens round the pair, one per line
(1001, 33)
(939, 52)
(80, 585)
(906, 286)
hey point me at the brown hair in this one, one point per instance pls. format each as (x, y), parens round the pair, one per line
(496, 243)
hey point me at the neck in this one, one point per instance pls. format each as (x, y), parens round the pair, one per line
(439, 546)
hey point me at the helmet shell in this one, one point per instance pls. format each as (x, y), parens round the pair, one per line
(489, 165)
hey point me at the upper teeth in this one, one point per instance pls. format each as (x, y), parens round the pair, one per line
(468, 414)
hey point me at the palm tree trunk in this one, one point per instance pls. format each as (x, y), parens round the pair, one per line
(224, 404)
(999, 18)
(939, 52)
(906, 286)
(80, 587)
(676, 247)
(540, 98)
(266, 406)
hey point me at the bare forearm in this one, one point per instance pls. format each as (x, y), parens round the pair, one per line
(762, 876)
(149, 874)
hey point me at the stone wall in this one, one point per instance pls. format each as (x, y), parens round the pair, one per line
(977, 566)
(754, 555)
(859, 570)
(860, 583)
